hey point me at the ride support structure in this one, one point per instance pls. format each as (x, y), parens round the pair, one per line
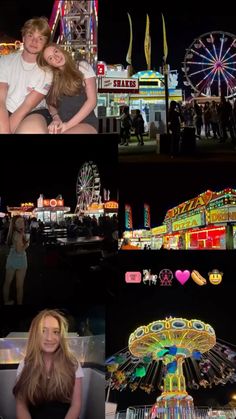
(74, 25)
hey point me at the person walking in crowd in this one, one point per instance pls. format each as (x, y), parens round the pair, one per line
(16, 265)
(34, 228)
(215, 120)
(73, 94)
(198, 119)
(174, 121)
(49, 378)
(23, 85)
(138, 125)
(225, 118)
(207, 119)
(125, 126)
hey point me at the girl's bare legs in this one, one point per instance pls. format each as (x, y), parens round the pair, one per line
(32, 124)
(10, 273)
(20, 277)
(81, 129)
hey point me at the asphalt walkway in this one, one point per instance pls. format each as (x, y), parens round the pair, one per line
(206, 148)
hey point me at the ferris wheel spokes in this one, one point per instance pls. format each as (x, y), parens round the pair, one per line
(210, 64)
(233, 42)
(201, 71)
(214, 47)
(212, 56)
(201, 55)
(227, 81)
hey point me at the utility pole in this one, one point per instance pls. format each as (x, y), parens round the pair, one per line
(166, 74)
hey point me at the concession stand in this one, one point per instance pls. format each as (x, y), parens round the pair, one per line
(51, 210)
(207, 221)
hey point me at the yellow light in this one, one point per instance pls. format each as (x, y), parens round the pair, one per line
(233, 397)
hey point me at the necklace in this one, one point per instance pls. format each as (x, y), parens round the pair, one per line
(27, 66)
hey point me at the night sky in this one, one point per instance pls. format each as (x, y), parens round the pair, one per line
(14, 13)
(165, 185)
(18, 318)
(184, 23)
(41, 164)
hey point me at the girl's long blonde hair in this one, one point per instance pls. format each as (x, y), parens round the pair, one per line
(33, 386)
(67, 81)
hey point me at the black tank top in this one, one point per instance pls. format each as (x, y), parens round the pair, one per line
(68, 106)
(49, 410)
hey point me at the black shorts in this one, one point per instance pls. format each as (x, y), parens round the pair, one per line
(43, 111)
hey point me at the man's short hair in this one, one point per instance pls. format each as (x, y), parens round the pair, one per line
(37, 23)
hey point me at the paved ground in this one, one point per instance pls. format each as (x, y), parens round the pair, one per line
(206, 148)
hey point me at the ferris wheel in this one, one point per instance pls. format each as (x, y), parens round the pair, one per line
(88, 186)
(74, 25)
(210, 64)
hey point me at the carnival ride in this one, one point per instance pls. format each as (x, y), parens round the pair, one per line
(172, 354)
(210, 64)
(74, 25)
(88, 186)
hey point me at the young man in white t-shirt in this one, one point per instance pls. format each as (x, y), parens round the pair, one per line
(23, 85)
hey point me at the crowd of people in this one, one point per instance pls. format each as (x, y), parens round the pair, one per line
(130, 123)
(212, 119)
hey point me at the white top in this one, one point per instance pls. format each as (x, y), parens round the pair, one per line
(78, 373)
(86, 69)
(22, 78)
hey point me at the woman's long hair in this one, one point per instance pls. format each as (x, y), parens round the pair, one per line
(33, 385)
(67, 81)
(12, 229)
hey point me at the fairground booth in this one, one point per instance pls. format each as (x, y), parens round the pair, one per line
(206, 222)
(144, 90)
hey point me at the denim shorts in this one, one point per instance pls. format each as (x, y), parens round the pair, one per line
(42, 111)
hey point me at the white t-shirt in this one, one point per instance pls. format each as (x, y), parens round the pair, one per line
(78, 373)
(22, 78)
(86, 69)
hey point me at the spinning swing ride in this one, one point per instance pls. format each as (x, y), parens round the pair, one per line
(171, 355)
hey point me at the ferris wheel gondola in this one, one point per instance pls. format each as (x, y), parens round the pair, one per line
(210, 64)
(88, 186)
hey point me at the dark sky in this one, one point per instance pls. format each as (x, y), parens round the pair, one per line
(18, 318)
(165, 185)
(133, 305)
(183, 25)
(41, 164)
(14, 13)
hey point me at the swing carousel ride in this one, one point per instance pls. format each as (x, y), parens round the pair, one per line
(171, 355)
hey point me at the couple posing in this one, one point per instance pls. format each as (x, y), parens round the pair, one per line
(42, 90)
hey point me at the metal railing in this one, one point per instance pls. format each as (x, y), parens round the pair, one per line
(202, 412)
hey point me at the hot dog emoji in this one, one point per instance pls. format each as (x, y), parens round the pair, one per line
(198, 278)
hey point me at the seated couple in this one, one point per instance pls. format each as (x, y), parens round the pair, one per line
(42, 90)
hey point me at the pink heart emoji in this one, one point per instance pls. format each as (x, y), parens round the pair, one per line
(182, 276)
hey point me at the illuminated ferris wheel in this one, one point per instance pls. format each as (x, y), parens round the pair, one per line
(74, 24)
(210, 64)
(88, 186)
